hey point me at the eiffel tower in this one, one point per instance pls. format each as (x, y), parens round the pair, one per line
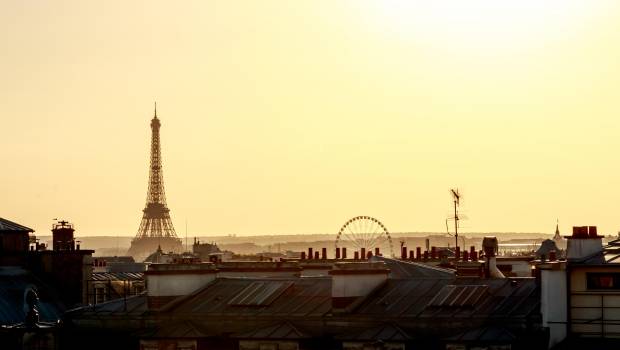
(156, 230)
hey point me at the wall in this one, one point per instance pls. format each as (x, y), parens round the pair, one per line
(553, 303)
(176, 285)
(589, 307)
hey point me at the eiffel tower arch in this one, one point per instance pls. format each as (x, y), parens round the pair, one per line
(156, 228)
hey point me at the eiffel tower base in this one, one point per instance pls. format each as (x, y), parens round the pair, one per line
(145, 246)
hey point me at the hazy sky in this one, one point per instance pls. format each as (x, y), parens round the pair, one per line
(293, 116)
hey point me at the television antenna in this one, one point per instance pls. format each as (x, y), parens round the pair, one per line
(456, 198)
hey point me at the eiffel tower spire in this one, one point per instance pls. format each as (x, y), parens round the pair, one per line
(156, 227)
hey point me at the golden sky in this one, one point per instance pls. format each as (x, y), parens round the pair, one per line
(293, 116)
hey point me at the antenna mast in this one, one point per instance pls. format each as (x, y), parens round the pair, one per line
(456, 197)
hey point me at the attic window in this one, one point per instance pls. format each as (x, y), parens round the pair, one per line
(603, 280)
(260, 293)
(459, 295)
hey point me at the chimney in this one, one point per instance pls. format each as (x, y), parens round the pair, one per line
(403, 252)
(356, 255)
(465, 255)
(363, 253)
(316, 255)
(433, 253)
(323, 253)
(411, 255)
(310, 255)
(418, 253)
(377, 251)
(369, 255)
(62, 236)
(344, 252)
(303, 255)
(337, 253)
(166, 282)
(426, 255)
(351, 282)
(584, 242)
(490, 246)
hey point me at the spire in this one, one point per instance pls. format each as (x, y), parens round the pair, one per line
(155, 109)
(557, 236)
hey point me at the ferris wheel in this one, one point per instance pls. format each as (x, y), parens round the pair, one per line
(365, 232)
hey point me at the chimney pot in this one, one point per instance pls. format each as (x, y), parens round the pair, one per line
(592, 231)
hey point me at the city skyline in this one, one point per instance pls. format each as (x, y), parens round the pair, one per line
(293, 118)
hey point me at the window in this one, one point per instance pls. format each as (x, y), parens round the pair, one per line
(603, 280)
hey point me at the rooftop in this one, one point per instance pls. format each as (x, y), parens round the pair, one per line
(6, 225)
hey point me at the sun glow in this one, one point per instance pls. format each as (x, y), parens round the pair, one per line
(475, 24)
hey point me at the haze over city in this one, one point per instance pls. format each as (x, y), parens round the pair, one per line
(292, 117)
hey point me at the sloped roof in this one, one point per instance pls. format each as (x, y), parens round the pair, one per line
(304, 296)
(179, 329)
(130, 306)
(6, 225)
(14, 282)
(384, 332)
(505, 297)
(411, 269)
(489, 333)
(117, 276)
(282, 330)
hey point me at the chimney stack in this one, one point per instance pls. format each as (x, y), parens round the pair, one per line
(344, 252)
(351, 282)
(491, 246)
(166, 282)
(337, 253)
(403, 252)
(584, 242)
(324, 253)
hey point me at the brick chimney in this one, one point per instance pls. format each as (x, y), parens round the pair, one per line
(351, 282)
(166, 282)
(584, 242)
